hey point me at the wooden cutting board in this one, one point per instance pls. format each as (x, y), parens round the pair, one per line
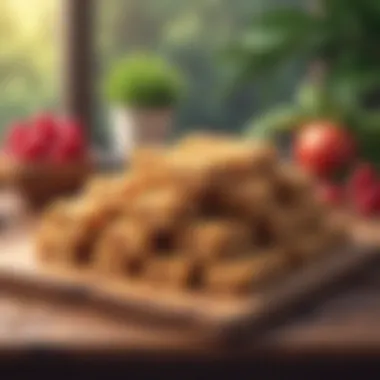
(218, 320)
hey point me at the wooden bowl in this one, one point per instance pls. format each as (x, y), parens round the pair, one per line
(40, 184)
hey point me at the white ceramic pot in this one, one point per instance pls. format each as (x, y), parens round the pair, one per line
(139, 127)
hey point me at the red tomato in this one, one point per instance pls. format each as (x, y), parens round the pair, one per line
(322, 148)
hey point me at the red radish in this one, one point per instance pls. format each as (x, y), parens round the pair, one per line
(331, 194)
(322, 148)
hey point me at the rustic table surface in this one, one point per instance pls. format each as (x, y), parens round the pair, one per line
(346, 323)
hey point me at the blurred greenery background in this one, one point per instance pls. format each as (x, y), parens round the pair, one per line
(28, 57)
(189, 32)
(336, 45)
(276, 43)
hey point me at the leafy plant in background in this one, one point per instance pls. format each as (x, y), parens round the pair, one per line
(342, 38)
(144, 81)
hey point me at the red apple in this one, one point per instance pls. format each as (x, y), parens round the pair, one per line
(323, 148)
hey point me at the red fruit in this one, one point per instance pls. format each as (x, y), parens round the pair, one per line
(34, 148)
(46, 127)
(363, 177)
(330, 194)
(367, 202)
(322, 148)
(70, 144)
(15, 138)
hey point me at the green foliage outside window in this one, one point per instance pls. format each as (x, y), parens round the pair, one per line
(343, 36)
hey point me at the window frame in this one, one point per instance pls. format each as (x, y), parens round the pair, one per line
(77, 53)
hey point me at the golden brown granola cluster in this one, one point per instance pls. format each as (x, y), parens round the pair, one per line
(211, 213)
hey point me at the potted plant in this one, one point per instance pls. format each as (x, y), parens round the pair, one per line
(144, 90)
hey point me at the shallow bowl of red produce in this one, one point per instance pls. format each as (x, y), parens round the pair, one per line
(47, 156)
(39, 184)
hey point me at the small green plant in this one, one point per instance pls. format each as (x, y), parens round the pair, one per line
(144, 80)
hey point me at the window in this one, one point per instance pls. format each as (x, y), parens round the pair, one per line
(189, 32)
(28, 57)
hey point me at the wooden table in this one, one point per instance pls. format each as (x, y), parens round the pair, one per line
(347, 321)
(346, 324)
(71, 340)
